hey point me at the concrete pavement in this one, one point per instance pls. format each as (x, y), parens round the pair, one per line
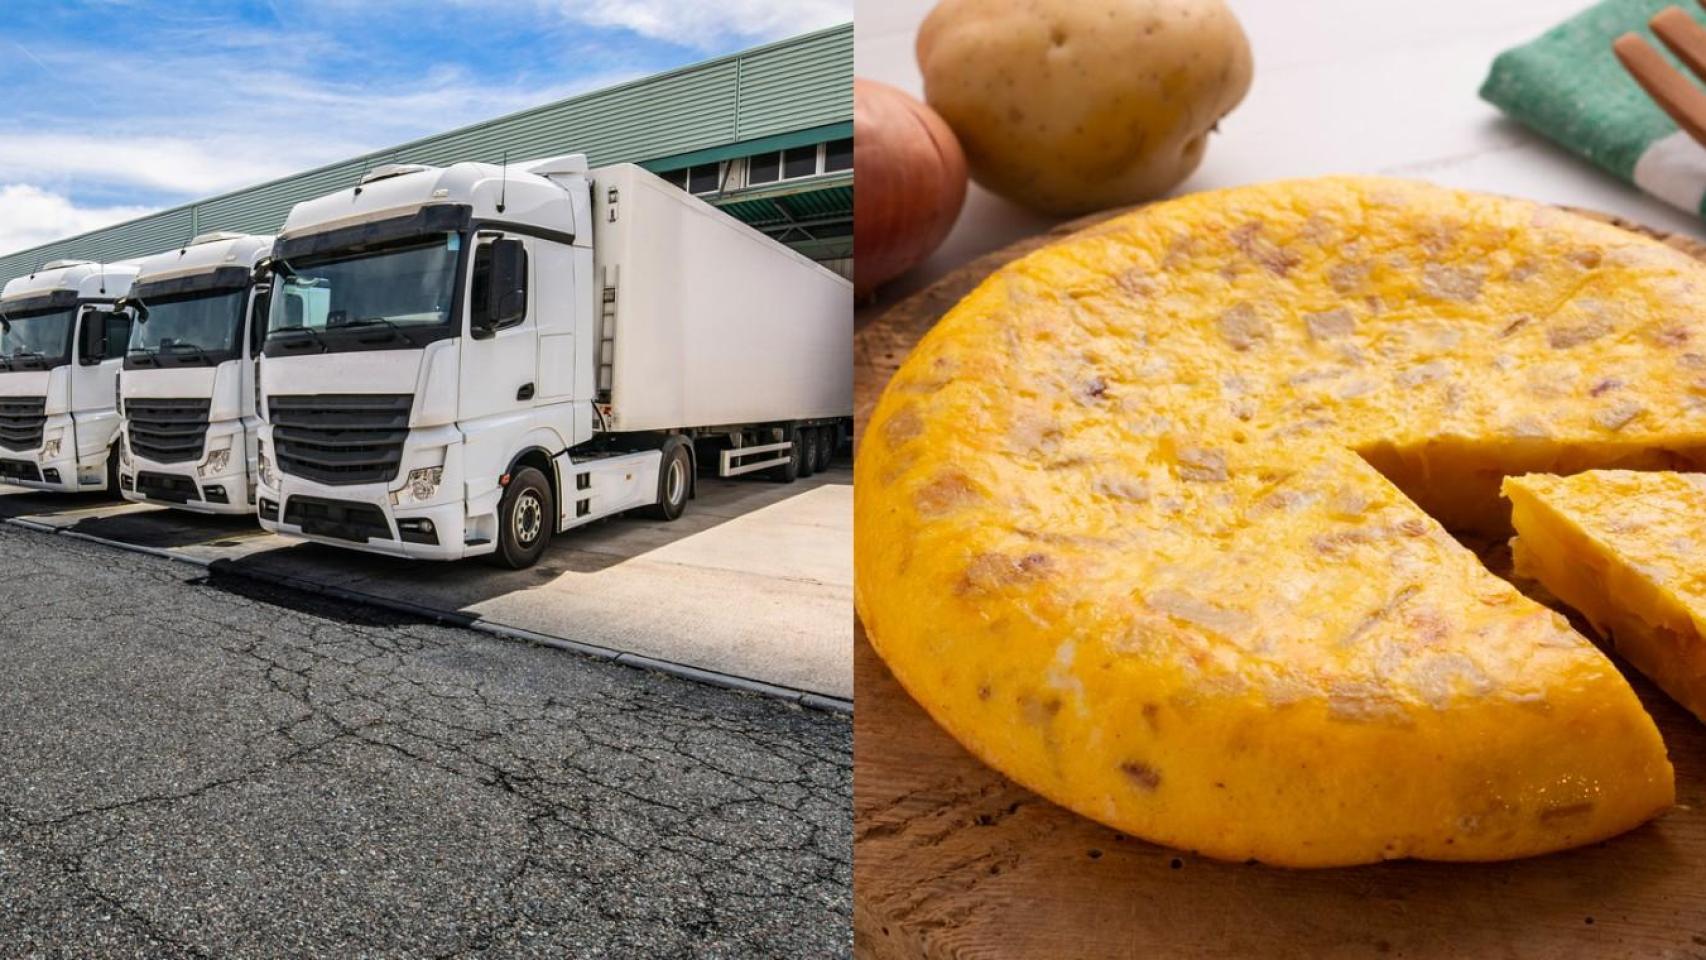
(755, 581)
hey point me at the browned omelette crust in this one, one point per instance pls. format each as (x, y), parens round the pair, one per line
(1113, 530)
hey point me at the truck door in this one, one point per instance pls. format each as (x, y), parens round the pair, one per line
(254, 331)
(102, 337)
(499, 368)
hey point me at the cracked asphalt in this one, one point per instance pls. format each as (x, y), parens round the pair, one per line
(202, 766)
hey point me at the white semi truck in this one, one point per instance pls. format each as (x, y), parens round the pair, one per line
(187, 392)
(61, 345)
(465, 360)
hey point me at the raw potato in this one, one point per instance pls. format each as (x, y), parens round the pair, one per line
(1068, 106)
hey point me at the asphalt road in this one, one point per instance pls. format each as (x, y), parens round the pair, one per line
(196, 766)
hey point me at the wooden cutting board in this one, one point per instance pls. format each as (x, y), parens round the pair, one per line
(951, 860)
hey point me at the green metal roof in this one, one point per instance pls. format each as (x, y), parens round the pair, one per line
(759, 99)
(826, 199)
(814, 217)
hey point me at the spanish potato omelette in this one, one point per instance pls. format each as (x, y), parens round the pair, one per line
(1152, 520)
(1624, 548)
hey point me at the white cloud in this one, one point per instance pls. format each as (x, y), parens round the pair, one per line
(709, 24)
(158, 163)
(30, 216)
(239, 149)
(37, 167)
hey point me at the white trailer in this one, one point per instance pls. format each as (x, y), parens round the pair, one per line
(187, 390)
(463, 361)
(61, 345)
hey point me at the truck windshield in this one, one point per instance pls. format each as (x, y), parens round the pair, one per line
(198, 329)
(395, 298)
(36, 340)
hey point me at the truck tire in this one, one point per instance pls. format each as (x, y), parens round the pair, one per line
(809, 443)
(675, 481)
(826, 448)
(790, 471)
(527, 516)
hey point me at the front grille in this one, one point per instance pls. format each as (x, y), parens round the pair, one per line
(21, 422)
(167, 431)
(166, 486)
(341, 519)
(341, 439)
(19, 470)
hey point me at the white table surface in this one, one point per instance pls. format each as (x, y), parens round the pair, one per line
(1341, 86)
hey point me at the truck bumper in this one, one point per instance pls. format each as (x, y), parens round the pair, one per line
(382, 518)
(191, 486)
(51, 466)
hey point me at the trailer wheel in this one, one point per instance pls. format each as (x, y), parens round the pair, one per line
(526, 518)
(790, 471)
(825, 448)
(808, 444)
(675, 481)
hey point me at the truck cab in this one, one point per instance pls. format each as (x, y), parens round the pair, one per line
(187, 390)
(448, 349)
(61, 345)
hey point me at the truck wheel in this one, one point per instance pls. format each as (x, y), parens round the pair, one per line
(526, 519)
(789, 471)
(825, 448)
(675, 479)
(112, 474)
(808, 446)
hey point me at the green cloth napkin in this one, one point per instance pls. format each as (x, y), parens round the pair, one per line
(1568, 86)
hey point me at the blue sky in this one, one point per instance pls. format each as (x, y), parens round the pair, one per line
(113, 108)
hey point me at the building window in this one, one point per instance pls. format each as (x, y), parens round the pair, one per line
(704, 178)
(764, 168)
(838, 155)
(799, 162)
(796, 163)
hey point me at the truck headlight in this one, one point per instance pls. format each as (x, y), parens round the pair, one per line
(123, 449)
(421, 487)
(217, 461)
(267, 478)
(50, 449)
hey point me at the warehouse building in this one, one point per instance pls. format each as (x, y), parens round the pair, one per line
(765, 134)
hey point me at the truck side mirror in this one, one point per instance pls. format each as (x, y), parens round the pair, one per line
(259, 312)
(505, 288)
(92, 337)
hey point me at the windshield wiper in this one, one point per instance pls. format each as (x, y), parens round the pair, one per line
(395, 328)
(299, 328)
(143, 353)
(182, 347)
(40, 361)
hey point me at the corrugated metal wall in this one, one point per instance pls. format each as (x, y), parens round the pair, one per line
(791, 85)
(798, 85)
